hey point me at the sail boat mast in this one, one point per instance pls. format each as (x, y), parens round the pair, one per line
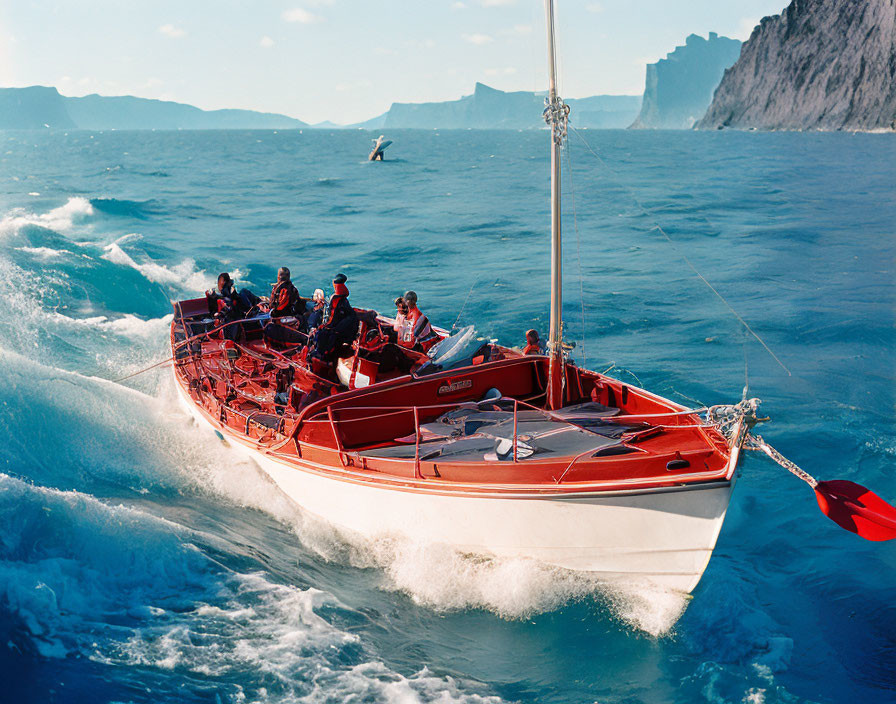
(555, 114)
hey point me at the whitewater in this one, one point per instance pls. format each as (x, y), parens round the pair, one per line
(141, 560)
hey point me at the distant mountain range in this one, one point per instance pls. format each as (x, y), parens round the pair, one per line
(679, 88)
(40, 107)
(821, 64)
(489, 108)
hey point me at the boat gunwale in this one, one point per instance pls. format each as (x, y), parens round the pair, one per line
(432, 485)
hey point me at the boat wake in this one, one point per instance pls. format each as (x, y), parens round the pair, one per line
(440, 577)
(73, 585)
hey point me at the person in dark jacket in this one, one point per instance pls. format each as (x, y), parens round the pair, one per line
(285, 298)
(224, 305)
(340, 321)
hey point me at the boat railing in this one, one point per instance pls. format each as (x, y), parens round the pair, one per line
(379, 412)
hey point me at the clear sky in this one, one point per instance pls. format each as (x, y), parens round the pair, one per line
(345, 60)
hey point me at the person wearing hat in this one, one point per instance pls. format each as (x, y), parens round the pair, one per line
(319, 302)
(422, 333)
(340, 321)
(533, 344)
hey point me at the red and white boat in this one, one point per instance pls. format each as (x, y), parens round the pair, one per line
(478, 446)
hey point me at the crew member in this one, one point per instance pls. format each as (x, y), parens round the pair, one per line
(285, 299)
(220, 297)
(401, 327)
(340, 323)
(533, 343)
(224, 305)
(422, 333)
(319, 302)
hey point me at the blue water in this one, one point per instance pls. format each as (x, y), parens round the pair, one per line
(140, 561)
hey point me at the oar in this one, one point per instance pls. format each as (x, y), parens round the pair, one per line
(849, 505)
(857, 509)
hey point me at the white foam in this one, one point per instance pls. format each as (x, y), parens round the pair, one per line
(445, 579)
(59, 219)
(114, 561)
(281, 637)
(44, 253)
(183, 275)
(127, 325)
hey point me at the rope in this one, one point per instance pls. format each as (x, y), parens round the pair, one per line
(755, 442)
(469, 293)
(142, 371)
(658, 228)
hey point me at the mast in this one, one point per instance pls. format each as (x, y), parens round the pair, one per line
(555, 114)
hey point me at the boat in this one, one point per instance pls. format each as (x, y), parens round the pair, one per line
(475, 444)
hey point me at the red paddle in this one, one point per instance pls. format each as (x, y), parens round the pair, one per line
(855, 508)
(849, 505)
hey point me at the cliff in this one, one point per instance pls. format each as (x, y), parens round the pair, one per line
(488, 108)
(679, 88)
(35, 107)
(40, 107)
(821, 64)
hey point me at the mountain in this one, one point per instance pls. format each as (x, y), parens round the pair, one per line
(97, 112)
(37, 107)
(820, 64)
(489, 108)
(679, 88)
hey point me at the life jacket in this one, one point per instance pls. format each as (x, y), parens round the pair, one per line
(284, 299)
(421, 330)
(221, 302)
(533, 348)
(338, 308)
(404, 330)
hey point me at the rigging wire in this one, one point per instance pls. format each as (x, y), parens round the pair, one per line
(142, 371)
(466, 300)
(575, 221)
(684, 257)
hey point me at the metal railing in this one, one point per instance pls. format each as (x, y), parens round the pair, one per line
(335, 422)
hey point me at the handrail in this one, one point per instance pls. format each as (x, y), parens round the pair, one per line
(515, 414)
(416, 444)
(573, 461)
(336, 435)
(551, 414)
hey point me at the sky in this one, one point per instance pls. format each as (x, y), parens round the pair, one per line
(346, 60)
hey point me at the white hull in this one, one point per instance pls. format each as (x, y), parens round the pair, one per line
(665, 536)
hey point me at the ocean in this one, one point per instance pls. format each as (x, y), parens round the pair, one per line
(142, 561)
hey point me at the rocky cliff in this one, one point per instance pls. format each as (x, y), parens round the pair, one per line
(821, 64)
(679, 88)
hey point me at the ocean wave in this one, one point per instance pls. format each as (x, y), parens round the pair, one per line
(140, 210)
(60, 219)
(276, 632)
(127, 325)
(121, 587)
(185, 275)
